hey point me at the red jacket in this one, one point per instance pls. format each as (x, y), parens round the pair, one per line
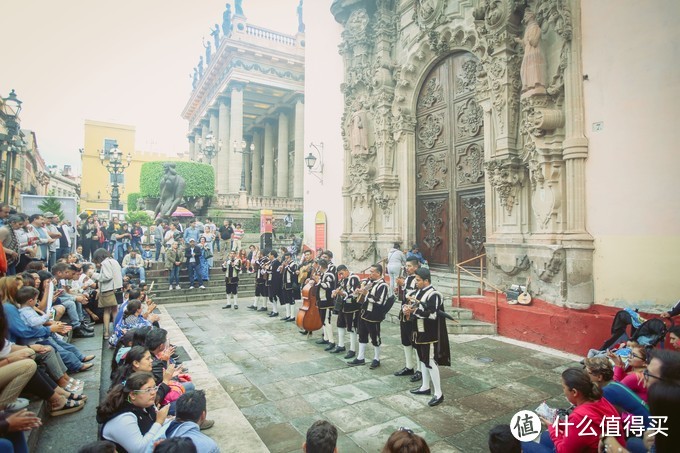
(585, 420)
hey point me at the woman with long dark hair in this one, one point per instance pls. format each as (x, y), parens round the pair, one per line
(129, 414)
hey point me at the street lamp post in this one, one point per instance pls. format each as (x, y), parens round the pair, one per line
(11, 142)
(208, 147)
(113, 161)
(241, 148)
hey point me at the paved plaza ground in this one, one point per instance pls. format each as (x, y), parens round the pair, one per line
(266, 384)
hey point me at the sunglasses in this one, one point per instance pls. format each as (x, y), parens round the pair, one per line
(149, 390)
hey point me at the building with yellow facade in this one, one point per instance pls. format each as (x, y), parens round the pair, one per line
(96, 180)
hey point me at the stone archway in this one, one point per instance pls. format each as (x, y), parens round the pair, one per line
(449, 163)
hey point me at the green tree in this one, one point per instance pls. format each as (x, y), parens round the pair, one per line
(132, 200)
(139, 216)
(51, 204)
(200, 179)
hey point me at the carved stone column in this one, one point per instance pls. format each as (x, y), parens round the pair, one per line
(236, 135)
(282, 164)
(268, 151)
(192, 146)
(256, 181)
(249, 159)
(222, 165)
(299, 167)
(214, 130)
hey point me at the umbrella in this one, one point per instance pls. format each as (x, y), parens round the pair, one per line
(182, 212)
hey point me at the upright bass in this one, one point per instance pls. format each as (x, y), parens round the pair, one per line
(308, 317)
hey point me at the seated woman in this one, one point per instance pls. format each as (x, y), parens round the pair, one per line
(674, 337)
(632, 375)
(405, 439)
(129, 414)
(139, 359)
(132, 319)
(590, 409)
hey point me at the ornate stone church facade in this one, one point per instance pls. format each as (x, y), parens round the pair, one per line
(463, 132)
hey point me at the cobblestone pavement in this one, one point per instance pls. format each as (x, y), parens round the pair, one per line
(282, 382)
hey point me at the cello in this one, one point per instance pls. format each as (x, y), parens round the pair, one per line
(308, 317)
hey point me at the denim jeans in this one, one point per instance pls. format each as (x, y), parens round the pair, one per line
(135, 271)
(71, 307)
(546, 445)
(194, 273)
(137, 245)
(159, 244)
(15, 442)
(69, 354)
(174, 276)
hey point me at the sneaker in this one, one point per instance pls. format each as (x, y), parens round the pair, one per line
(170, 288)
(202, 287)
(191, 287)
(17, 405)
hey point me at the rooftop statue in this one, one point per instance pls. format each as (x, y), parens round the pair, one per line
(226, 21)
(172, 190)
(301, 25)
(215, 33)
(208, 52)
(238, 7)
(200, 67)
(194, 82)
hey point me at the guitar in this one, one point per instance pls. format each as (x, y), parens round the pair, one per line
(525, 297)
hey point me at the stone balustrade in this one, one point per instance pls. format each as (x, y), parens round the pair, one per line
(270, 35)
(260, 202)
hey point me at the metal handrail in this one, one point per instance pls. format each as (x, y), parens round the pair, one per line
(482, 282)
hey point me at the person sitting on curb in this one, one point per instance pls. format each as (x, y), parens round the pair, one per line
(134, 264)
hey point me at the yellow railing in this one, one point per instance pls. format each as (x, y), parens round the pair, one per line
(482, 283)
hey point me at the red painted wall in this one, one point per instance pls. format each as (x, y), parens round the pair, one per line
(545, 324)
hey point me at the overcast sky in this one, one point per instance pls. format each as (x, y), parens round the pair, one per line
(125, 61)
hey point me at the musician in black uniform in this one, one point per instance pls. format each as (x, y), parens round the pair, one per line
(430, 336)
(260, 303)
(325, 284)
(231, 267)
(348, 318)
(289, 282)
(407, 287)
(375, 291)
(274, 282)
(328, 256)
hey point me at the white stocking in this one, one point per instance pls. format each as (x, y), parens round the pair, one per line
(235, 296)
(426, 377)
(362, 351)
(228, 296)
(376, 353)
(328, 330)
(408, 353)
(436, 380)
(275, 308)
(341, 337)
(353, 336)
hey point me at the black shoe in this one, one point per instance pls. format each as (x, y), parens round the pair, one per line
(404, 372)
(273, 315)
(226, 306)
(338, 349)
(350, 354)
(80, 332)
(235, 307)
(374, 364)
(421, 392)
(357, 362)
(330, 347)
(285, 319)
(262, 309)
(291, 319)
(322, 341)
(252, 307)
(85, 327)
(435, 401)
(304, 332)
(418, 376)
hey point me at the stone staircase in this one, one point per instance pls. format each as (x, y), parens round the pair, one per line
(444, 281)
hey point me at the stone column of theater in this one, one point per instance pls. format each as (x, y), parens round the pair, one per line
(236, 136)
(256, 178)
(222, 165)
(192, 146)
(213, 127)
(282, 164)
(204, 133)
(248, 159)
(268, 150)
(299, 166)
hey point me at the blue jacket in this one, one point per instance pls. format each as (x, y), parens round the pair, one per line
(203, 443)
(17, 328)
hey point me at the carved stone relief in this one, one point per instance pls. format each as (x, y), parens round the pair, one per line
(475, 224)
(507, 178)
(362, 214)
(433, 222)
(430, 129)
(521, 264)
(552, 267)
(466, 80)
(429, 13)
(470, 164)
(469, 119)
(433, 94)
(432, 172)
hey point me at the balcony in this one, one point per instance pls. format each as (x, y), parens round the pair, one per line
(16, 175)
(260, 202)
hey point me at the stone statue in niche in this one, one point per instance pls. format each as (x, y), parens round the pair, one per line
(533, 67)
(358, 132)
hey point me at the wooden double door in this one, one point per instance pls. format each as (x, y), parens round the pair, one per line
(450, 214)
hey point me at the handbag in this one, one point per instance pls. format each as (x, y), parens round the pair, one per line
(207, 253)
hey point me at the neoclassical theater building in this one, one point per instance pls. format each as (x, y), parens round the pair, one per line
(506, 128)
(247, 102)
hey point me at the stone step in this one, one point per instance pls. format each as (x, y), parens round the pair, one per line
(464, 323)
